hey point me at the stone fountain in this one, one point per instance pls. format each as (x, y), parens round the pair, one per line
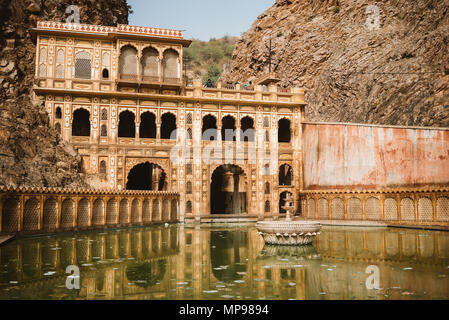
(289, 232)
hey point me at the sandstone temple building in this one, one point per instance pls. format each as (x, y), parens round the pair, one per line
(119, 96)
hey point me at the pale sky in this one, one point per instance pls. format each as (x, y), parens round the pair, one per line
(201, 19)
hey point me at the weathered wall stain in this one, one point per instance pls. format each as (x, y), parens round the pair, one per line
(353, 155)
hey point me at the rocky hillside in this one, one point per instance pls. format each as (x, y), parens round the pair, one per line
(32, 153)
(396, 74)
(207, 59)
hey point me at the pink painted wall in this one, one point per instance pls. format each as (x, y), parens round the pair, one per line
(358, 156)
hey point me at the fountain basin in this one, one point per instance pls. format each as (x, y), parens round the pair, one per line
(288, 232)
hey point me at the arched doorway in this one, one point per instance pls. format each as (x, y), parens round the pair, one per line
(285, 175)
(81, 123)
(284, 133)
(146, 176)
(228, 190)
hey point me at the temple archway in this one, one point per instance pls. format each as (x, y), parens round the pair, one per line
(146, 176)
(228, 190)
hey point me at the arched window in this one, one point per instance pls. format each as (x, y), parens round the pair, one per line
(126, 125)
(58, 113)
(105, 61)
(81, 123)
(104, 114)
(189, 207)
(209, 129)
(105, 73)
(168, 126)
(285, 175)
(42, 70)
(228, 128)
(267, 206)
(102, 167)
(104, 130)
(189, 187)
(189, 133)
(60, 56)
(128, 63)
(284, 134)
(58, 127)
(83, 65)
(60, 62)
(43, 55)
(247, 126)
(148, 125)
(59, 72)
(150, 64)
(267, 188)
(170, 65)
(188, 168)
(189, 118)
(267, 136)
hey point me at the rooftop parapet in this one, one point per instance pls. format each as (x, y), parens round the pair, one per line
(109, 31)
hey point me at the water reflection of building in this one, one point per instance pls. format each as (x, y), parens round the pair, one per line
(186, 262)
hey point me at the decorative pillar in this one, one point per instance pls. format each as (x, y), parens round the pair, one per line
(137, 131)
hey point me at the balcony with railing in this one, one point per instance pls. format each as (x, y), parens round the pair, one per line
(147, 80)
(238, 91)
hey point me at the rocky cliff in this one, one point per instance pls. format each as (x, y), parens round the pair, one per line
(354, 70)
(31, 152)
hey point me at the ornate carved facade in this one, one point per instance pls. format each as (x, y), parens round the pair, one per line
(117, 94)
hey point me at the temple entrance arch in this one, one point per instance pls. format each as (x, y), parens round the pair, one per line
(147, 176)
(228, 190)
